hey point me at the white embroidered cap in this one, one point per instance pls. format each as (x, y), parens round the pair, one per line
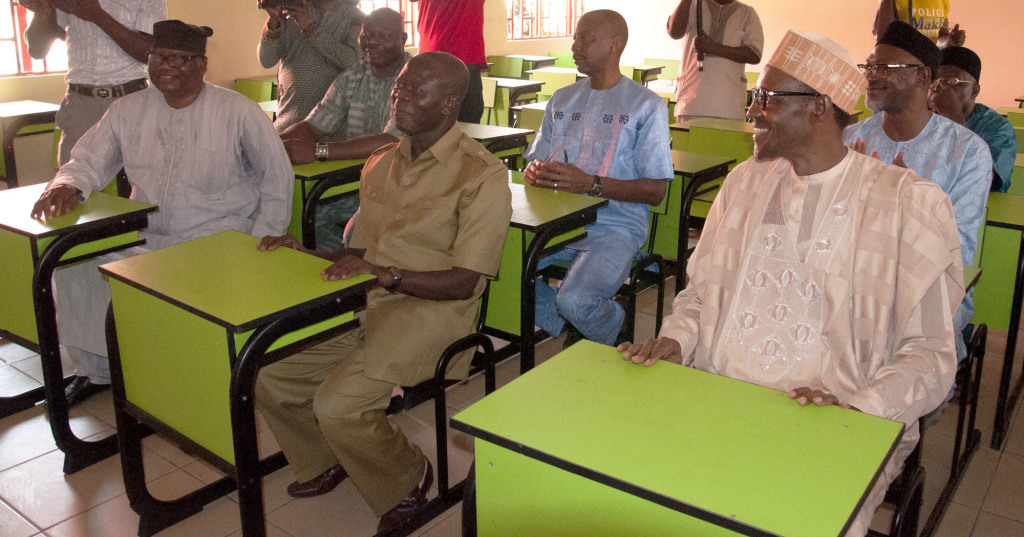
(822, 64)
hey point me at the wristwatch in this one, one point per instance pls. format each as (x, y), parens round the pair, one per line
(321, 151)
(597, 189)
(396, 280)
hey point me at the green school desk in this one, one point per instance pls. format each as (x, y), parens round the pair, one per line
(32, 250)
(695, 175)
(644, 73)
(258, 88)
(510, 90)
(1003, 263)
(193, 323)
(316, 181)
(587, 444)
(724, 137)
(535, 62)
(22, 118)
(543, 221)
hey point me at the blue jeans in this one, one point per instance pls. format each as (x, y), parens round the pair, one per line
(331, 218)
(598, 266)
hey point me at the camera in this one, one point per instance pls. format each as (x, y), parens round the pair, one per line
(264, 4)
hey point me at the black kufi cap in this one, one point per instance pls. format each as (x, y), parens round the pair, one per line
(177, 35)
(902, 35)
(963, 58)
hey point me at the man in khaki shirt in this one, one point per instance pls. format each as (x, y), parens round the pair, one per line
(434, 211)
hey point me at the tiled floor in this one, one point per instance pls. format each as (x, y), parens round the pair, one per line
(37, 499)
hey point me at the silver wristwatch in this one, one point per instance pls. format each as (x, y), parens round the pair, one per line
(597, 189)
(321, 151)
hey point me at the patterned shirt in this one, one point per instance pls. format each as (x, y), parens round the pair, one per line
(998, 133)
(310, 65)
(93, 57)
(211, 166)
(620, 132)
(358, 104)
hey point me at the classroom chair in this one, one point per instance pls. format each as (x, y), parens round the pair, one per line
(563, 59)
(490, 91)
(506, 66)
(670, 68)
(552, 82)
(434, 388)
(256, 90)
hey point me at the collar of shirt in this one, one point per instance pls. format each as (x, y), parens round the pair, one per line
(442, 149)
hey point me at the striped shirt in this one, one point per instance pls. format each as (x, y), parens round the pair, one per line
(93, 57)
(358, 104)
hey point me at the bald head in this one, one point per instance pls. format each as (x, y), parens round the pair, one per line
(387, 18)
(447, 71)
(607, 22)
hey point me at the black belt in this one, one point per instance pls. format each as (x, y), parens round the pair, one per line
(109, 91)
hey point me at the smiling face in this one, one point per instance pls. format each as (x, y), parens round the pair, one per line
(782, 127)
(382, 40)
(892, 90)
(946, 91)
(177, 83)
(421, 97)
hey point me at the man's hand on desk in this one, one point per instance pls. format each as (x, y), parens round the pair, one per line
(651, 351)
(271, 242)
(350, 266)
(809, 396)
(558, 176)
(56, 201)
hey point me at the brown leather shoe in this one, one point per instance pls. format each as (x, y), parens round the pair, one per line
(321, 484)
(407, 509)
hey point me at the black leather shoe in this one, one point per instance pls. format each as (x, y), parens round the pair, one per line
(407, 509)
(81, 389)
(321, 484)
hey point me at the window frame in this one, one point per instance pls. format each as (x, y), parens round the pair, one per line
(26, 65)
(542, 16)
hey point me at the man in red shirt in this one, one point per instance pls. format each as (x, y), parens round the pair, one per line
(457, 27)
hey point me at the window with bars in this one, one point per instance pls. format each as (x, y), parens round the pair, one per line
(402, 6)
(14, 58)
(536, 19)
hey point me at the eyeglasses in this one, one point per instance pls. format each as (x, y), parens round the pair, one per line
(881, 70)
(174, 60)
(760, 96)
(948, 82)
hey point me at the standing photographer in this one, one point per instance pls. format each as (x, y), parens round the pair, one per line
(107, 46)
(314, 41)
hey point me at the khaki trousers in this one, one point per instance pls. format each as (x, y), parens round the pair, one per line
(324, 410)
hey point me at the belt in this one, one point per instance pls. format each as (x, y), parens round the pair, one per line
(109, 91)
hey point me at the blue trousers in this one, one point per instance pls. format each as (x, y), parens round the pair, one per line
(598, 266)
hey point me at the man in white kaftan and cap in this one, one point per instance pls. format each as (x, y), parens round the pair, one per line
(205, 155)
(821, 271)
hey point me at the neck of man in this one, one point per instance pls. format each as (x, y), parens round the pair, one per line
(824, 151)
(421, 142)
(606, 78)
(179, 101)
(906, 123)
(389, 70)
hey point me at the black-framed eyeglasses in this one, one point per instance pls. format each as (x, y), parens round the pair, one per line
(881, 70)
(948, 82)
(173, 60)
(760, 95)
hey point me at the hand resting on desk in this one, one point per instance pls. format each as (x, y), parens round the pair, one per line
(56, 201)
(651, 351)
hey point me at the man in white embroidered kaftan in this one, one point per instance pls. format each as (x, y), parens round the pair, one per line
(821, 271)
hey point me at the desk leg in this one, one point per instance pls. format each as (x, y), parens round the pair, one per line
(78, 453)
(1005, 402)
(528, 305)
(683, 244)
(154, 515)
(11, 171)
